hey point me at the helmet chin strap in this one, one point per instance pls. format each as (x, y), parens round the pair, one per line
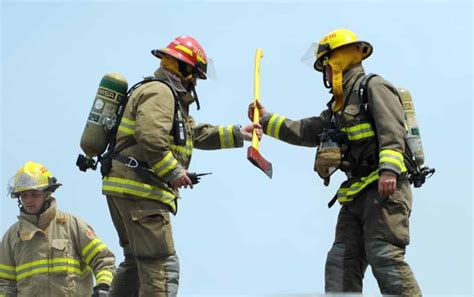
(326, 82)
(195, 95)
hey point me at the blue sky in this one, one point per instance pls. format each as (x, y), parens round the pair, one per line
(238, 232)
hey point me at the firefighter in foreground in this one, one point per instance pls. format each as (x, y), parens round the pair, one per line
(49, 252)
(153, 150)
(366, 141)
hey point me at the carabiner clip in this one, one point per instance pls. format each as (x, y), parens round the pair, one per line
(132, 162)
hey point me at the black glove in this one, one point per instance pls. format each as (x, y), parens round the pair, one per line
(101, 290)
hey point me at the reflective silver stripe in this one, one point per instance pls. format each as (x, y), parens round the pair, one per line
(274, 125)
(226, 136)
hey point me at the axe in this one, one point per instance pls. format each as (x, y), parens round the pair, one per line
(253, 154)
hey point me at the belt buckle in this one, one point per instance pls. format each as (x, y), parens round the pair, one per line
(132, 162)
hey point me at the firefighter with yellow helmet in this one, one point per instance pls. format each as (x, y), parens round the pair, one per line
(149, 164)
(49, 252)
(367, 142)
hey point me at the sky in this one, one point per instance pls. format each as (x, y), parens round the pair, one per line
(238, 232)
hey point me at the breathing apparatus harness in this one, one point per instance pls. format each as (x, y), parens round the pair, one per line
(416, 175)
(178, 131)
(333, 137)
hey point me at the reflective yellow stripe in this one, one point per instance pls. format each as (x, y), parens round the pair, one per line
(7, 267)
(48, 265)
(115, 185)
(226, 136)
(392, 157)
(167, 164)
(345, 195)
(200, 59)
(95, 252)
(182, 149)
(186, 149)
(360, 131)
(49, 269)
(99, 245)
(274, 125)
(184, 49)
(89, 246)
(7, 275)
(127, 126)
(104, 276)
(230, 130)
(128, 121)
(47, 261)
(126, 130)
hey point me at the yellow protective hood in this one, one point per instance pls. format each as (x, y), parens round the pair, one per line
(171, 65)
(340, 60)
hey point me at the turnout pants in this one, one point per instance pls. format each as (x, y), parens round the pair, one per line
(151, 266)
(373, 231)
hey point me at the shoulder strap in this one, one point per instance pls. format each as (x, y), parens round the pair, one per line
(121, 110)
(363, 88)
(364, 97)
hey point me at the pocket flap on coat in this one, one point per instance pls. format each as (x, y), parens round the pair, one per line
(352, 109)
(140, 214)
(59, 244)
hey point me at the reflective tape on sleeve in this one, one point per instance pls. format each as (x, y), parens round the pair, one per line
(104, 277)
(393, 157)
(274, 125)
(92, 249)
(127, 126)
(226, 136)
(165, 165)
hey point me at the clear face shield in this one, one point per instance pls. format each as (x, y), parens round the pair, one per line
(210, 70)
(309, 56)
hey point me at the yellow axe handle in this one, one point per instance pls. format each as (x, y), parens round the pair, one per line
(256, 95)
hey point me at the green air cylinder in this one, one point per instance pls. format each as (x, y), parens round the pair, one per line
(101, 119)
(413, 133)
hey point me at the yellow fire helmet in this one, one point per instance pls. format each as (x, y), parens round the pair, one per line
(337, 39)
(32, 176)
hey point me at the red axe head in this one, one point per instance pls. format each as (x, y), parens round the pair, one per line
(253, 155)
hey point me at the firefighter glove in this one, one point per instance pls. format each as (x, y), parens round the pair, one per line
(101, 290)
(327, 161)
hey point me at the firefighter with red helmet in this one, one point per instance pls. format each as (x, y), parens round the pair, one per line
(154, 145)
(49, 252)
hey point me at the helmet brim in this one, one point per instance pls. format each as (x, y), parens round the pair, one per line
(200, 69)
(366, 49)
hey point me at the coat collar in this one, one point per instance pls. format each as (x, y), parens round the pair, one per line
(30, 224)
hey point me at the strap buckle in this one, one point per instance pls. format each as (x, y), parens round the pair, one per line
(131, 162)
